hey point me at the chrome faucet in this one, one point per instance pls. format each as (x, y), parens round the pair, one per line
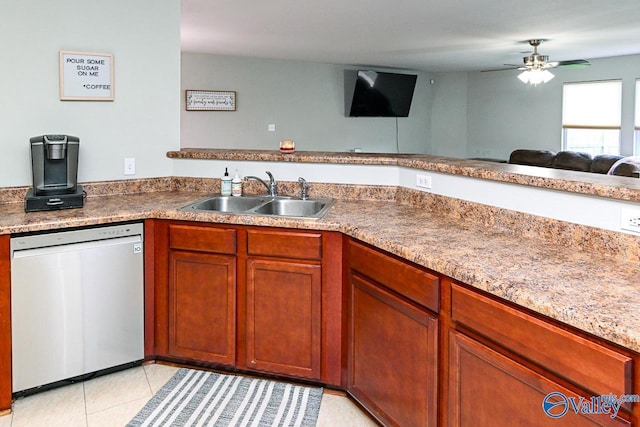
(271, 186)
(305, 186)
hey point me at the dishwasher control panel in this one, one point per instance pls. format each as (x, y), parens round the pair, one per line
(117, 231)
(65, 237)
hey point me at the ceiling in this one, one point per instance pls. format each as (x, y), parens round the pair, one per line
(427, 35)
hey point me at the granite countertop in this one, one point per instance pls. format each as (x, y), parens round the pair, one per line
(595, 184)
(590, 291)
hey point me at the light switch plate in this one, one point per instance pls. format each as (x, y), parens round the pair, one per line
(630, 219)
(129, 166)
(423, 181)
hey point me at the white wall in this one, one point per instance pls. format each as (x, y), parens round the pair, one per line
(449, 115)
(504, 114)
(561, 205)
(464, 115)
(142, 121)
(304, 100)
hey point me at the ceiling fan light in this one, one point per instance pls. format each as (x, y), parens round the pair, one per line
(524, 76)
(547, 75)
(535, 76)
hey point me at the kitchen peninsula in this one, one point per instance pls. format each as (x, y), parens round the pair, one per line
(567, 276)
(557, 179)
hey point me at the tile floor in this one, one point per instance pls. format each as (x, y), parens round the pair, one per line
(113, 400)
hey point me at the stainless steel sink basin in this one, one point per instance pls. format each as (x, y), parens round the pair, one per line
(309, 208)
(226, 204)
(278, 206)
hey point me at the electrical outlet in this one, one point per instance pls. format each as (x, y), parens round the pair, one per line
(271, 127)
(129, 166)
(423, 181)
(630, 219)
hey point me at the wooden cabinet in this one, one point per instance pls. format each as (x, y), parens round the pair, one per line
(504, 362)
(397, 275)
(393, 342)
(594, 367)
(283, 317)
(252, 298)
(202, 294)
(488, 389)
(202, 306)
(283, 302)
(414, 348)
(5, 324)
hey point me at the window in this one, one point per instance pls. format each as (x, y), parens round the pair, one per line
(591, 117)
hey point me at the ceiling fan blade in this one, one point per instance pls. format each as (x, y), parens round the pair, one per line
(573, 64)
(576, 63)
(501, 69)
(539, 62)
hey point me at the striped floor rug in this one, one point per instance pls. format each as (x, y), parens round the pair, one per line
(200, 398)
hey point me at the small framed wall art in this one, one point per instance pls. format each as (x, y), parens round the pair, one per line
(86, 76)
(210, 100)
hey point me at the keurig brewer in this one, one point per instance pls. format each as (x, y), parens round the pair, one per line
(54, 166)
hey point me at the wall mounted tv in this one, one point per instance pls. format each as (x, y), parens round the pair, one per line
(377, 94)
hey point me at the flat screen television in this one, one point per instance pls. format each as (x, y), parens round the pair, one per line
(378, 94)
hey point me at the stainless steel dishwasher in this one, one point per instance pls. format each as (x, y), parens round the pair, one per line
(77, 303)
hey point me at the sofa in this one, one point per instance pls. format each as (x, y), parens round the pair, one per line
(577, 161)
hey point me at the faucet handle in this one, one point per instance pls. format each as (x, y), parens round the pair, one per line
(273, 188)
(304, 186)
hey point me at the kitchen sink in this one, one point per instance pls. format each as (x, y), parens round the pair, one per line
(294, 207)
(226, 204)
(269, 206)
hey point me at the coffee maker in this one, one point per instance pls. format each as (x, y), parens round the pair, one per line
(54, 166)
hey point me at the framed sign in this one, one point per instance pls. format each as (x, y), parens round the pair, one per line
(86, 76)
(210, 100)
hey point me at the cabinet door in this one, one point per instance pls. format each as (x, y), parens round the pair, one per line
(202, 306)
(487, 388)
(589, 365)
(283, 317)
(392, 356)
(5, 324)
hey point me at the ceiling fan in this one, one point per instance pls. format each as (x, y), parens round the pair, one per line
(535, 60)
(536, 66)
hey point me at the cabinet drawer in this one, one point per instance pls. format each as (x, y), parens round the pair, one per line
(285, 244)
(487, 388)
(401, 277)
(204, 239)
(584, 362)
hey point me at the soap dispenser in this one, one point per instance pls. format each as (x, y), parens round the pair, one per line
(225, 185)
(236, 185)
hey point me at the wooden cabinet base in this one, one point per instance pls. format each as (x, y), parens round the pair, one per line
(393, 356)
(414, 348)
(228, 296)
(487, 388)
(202, 306)
(284, 317)
(5, 324)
